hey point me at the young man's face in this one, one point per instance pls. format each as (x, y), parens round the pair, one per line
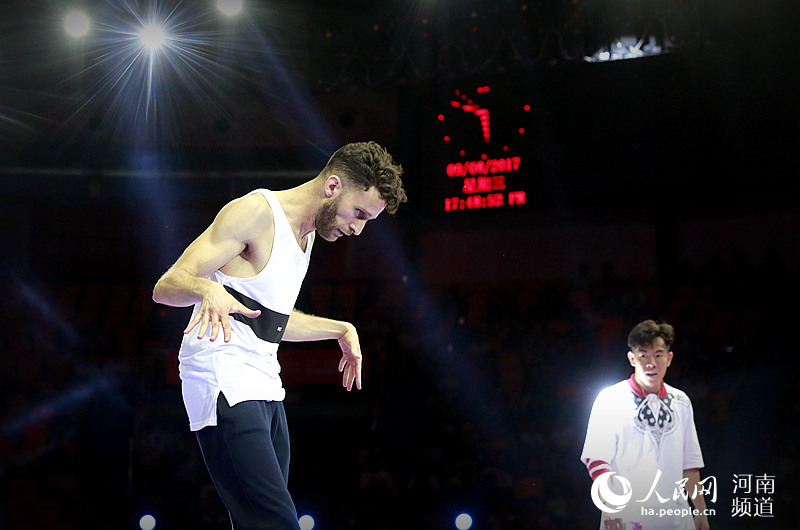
(347, 213)
(650, 364)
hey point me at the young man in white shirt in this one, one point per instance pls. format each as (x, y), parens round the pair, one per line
(642, 430)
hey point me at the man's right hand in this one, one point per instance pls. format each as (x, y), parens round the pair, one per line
(214, 310)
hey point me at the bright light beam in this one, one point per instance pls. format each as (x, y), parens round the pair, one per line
(133, 74)
(152, 36)
(77, 23)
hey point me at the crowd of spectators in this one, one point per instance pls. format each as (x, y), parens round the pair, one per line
(476, 400)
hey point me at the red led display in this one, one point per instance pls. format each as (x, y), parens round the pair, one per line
(483, 167)
(482, 131)
(482, 114)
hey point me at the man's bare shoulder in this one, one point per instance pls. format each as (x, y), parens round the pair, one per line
(251, 204)
(249, 221)
(250, 215)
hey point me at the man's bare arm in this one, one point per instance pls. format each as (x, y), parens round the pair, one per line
(185, 283)
(692, 477)
(304, 327)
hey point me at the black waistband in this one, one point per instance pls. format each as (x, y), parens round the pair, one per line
(269, 325)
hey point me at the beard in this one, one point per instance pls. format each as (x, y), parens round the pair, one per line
(325, 220)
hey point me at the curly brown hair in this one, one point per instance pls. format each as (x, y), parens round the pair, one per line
(367, 164)
(644, 333)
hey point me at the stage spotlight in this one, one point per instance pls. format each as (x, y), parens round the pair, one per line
(229, 7)
(306, 522)
(76, 23)
(464, 521)
(147, 522)
(152, 36)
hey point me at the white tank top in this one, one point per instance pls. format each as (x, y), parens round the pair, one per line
(246, 368)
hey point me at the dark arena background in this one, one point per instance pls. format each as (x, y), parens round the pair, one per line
(572, 167)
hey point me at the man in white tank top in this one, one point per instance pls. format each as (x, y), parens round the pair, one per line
(243, 276)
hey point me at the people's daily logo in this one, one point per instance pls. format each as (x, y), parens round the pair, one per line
(605, 499)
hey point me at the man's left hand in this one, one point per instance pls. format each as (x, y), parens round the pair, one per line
(350, 365)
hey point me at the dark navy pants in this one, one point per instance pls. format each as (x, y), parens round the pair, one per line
(247, 455)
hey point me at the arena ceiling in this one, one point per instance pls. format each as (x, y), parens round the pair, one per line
(295, 74)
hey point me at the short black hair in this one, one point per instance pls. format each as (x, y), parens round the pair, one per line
(644, 333)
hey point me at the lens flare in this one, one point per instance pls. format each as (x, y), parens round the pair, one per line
(153, 36)
(77, 23)
(230, 7)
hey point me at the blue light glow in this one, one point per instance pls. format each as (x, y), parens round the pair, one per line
(306, 522)
(147, 522)
(464, 521)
